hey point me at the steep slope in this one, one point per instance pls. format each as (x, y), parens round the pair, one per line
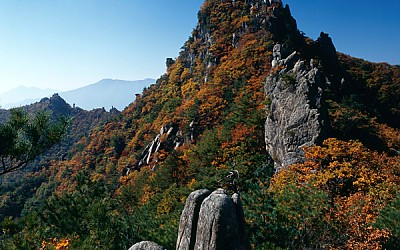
(106, 93)
(127, 180)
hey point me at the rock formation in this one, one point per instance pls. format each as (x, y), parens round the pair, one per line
(169, 138)
(217, 227)
(217, 224)
(296, 115)
(209, 221)
(189, 219)
(146, 245)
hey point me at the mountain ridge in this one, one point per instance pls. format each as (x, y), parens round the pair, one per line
(113, 93)
(96, 95)
(26, 96)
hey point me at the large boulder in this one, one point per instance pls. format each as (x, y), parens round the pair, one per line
(218, 225)
(189, 219)
(212, 221)
(146, 245)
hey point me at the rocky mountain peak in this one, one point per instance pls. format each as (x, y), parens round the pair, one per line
(244, 17)
(295, 84)
(327, 51)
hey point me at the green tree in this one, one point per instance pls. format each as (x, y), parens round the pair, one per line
(24, 137)
(389, 219)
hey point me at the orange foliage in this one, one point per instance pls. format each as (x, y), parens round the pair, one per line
(61, 244)
(359, 182)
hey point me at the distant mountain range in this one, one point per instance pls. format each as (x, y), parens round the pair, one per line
(21, 96)
(106, 93)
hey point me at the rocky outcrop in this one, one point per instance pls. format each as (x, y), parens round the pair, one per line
(146, 245)
(217, 224)
(296, 115)
(209, 221)
(169, 138)
(281, 23)
(217, 227)
(327, 52)
(189, 219)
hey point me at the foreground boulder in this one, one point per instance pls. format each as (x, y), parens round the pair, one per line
(218, 224)
(146, 245)
(209, 221)
(189, 219)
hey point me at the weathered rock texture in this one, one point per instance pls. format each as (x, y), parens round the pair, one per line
(189, 219)
(220, 223)
(169, 138)
(146, 245)
(296, 115)
(217, 227)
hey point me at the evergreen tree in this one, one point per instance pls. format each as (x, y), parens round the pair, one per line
(24, 137)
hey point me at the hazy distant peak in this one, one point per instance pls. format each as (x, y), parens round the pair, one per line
(107, 93)
(23, 95)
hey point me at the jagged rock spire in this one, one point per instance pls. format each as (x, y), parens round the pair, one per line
(297, 114)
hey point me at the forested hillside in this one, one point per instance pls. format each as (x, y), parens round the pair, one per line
(18, 187)
(127, 180)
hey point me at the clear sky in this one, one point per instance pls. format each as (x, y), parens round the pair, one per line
(65, 44)
(362, 28)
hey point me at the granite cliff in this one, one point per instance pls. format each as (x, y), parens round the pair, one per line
(296, 90)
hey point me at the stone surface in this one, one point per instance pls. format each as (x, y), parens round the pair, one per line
(244, 240)
(189, 218)
(296, 117)
(212, 221)
(217, 226)
(169, 138)
(146, 245)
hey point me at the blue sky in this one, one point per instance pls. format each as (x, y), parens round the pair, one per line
(65, 44)
(365, 29)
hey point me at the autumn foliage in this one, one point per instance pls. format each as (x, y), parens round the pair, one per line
(342, 196)
(357, 183)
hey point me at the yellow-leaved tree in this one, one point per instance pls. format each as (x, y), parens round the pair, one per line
(344, 186)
